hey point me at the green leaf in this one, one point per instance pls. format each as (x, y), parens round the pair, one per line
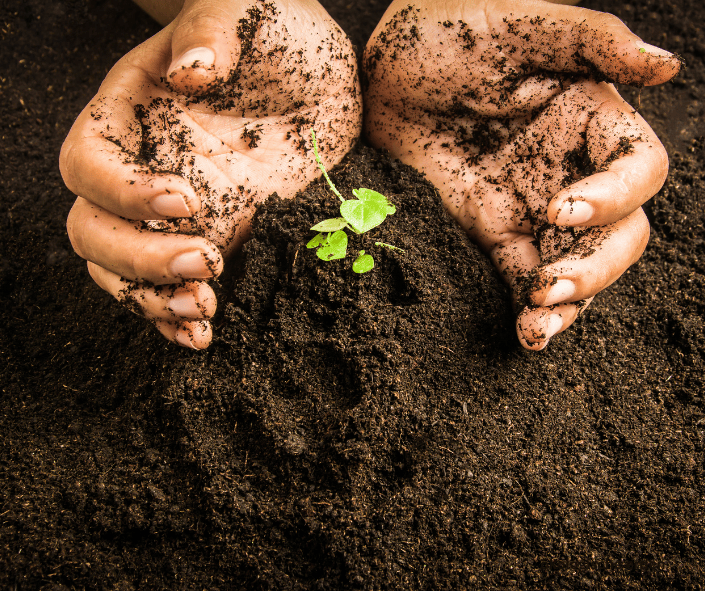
(335, 247)
(363, 263)
(362, 216)
(370, 196)
(317, 240)
(368, 211)
(330, 225)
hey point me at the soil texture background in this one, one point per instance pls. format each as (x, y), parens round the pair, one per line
(383, 431)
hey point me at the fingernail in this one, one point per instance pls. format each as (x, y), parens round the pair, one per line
(193, 264)
(184, 304)
(561, 291)
(171, 205)
(198, 57)
(553, 325)
(653, 50)
(574, 212)
(184, 338)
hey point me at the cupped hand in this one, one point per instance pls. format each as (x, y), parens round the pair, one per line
(507, 108)
(188, 132)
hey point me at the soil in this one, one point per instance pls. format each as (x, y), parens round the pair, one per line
(380, 431)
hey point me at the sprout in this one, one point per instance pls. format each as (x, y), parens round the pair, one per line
(367, 211)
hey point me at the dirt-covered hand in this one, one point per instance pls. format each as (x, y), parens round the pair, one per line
(508, 109)
(188, 132)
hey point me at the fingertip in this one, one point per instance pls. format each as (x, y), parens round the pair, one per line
(205, 44)
(205, 262)
(161, 196)
(654, 51)
(197, 58)
(549, 286)
(661, 65)
(616, 51)
(642, 64)
(206, 300)
(193, 72)
(195, 335)
(529, 345)
(195, 300)
(570, 212)
(175, 205)
(536, 326)
(559, 291)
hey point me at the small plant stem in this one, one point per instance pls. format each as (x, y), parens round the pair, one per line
(323, 168)
(390, 246)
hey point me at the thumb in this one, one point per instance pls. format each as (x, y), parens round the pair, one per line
(205, 45)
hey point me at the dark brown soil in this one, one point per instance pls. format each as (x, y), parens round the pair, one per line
(382, 431)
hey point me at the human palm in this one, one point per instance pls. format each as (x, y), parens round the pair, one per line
(173, 154)
(545, 167)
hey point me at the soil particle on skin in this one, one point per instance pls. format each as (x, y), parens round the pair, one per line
(381, 431)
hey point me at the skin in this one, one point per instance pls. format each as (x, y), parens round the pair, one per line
(188, 132)
(507, 143)
(546, 168)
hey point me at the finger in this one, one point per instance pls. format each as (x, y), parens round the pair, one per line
(632, 160)
(206, 43)
(192, 300)
(100, 171)
(170, 308)
(122, 247)
(514, 256)
(597, 258)
(571, 39)
(102, 158)
(195, 334)
(536, 326)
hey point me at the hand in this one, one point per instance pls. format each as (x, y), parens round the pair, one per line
(188, 132)
(499, 104)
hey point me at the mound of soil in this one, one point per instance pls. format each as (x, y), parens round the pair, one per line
(377, 431)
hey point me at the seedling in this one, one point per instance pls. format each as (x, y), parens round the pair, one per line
(367, 211)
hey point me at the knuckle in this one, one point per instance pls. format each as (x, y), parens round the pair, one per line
(123, 199)
(75, 228)
(209, 20)
(661, 160)
(135, 261)
(67, 163)
(643, 231)
(607, 22)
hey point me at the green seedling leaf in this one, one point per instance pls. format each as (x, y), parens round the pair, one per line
(367, 211)
(317, 240)
(363, 263)
(335, 247)
(363, 215)
(370, 196)
(330, 225)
